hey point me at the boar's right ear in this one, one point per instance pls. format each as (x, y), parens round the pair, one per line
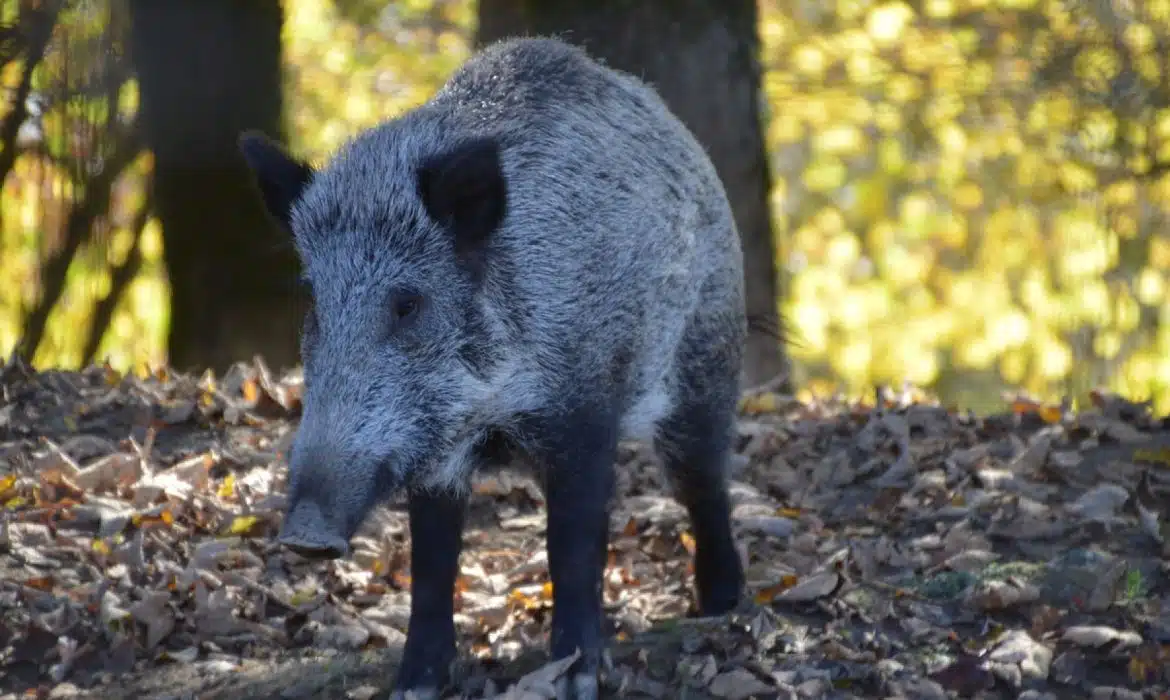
(464, 188)
(281, 177)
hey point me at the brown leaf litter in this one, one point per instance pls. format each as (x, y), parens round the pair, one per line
(902, 551)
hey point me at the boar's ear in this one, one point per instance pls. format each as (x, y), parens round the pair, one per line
(281, 177)
(464, 188)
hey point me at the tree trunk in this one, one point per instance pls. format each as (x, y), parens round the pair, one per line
(702, 57)
(208, 70)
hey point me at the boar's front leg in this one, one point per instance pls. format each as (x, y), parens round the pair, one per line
(579, 456)
(436, 533)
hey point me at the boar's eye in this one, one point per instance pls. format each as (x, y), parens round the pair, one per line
(404, 307)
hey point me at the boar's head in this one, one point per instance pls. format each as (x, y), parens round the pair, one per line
(393, 239)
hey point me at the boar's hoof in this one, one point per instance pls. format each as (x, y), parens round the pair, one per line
(316, 550)
(415, 694)
(581, 686)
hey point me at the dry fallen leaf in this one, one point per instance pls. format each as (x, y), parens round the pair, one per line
(967, 676)
(816, 586)
(1100, 503)
(1099, 635)
(116, 470)
(1150, 523)
(998, 595)
(154, 612)
(541, 682)
(245, 526)
(738, 684)
(7, 484)
(1018, 657)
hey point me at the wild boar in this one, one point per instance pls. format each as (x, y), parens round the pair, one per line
(539, 261)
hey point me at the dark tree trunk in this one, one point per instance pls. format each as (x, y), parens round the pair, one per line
(207, 70)
(703, 58)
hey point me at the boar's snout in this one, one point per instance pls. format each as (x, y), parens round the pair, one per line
(307, 532)
(331, 490)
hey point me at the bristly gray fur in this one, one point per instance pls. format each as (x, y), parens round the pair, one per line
(618, 238)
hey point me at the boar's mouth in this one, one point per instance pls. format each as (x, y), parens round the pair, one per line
(315, 551)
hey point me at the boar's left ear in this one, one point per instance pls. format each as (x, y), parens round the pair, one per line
(281, 177)
(464, 188)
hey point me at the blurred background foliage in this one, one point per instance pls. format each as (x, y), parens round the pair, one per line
(971, 195)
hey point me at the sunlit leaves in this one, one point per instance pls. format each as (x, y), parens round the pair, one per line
(1097, 67)
(888, 21)
(353, 63)
(995, 182)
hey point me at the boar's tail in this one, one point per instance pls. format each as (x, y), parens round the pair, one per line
(772, 325)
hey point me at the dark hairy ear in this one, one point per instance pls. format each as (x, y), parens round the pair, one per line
(281, 177)
(464, 188)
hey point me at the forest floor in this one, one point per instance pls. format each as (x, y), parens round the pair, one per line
(907, 551)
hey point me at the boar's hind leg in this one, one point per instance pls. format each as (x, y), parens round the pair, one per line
(694, 444)
(578, 453)
(436, 533)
